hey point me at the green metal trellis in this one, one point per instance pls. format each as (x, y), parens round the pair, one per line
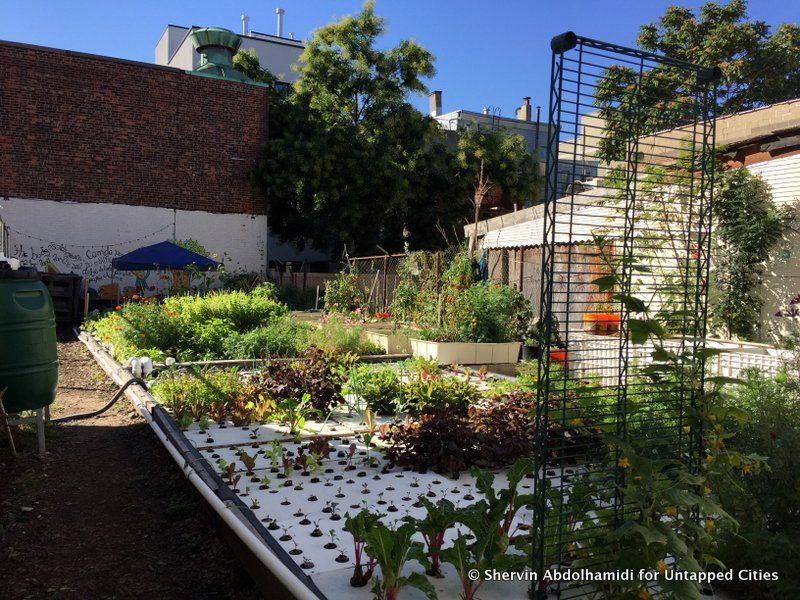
(644, 124)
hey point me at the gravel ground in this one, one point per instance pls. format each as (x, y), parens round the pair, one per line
(106, 513)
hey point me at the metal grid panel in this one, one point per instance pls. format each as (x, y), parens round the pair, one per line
(649, 215)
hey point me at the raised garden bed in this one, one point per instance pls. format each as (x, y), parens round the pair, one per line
(390, 343)
(464, 353)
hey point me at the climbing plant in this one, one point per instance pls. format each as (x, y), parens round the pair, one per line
(748, 225)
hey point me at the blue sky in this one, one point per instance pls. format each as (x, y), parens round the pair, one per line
(487, 53)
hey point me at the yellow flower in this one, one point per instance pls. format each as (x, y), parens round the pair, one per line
(717, 427)
(571, 550)
(746, 470)
(661, 566)
(710, 525)
(706, 490)
(672, 511)
(575, 422)
(624, 462)
(644, 594)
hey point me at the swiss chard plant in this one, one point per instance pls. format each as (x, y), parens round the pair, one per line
(392, 549)
(490, 520)
(440, 517)
(358, 526)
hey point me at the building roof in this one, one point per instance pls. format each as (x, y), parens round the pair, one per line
(591, 218)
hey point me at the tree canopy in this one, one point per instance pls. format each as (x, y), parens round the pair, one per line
(759, 66)
(349, 160)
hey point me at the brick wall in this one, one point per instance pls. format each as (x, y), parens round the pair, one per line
(95, 129)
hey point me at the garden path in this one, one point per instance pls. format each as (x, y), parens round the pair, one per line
(105, 514)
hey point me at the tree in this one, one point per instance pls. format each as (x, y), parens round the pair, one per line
(495, 161)
(349, 160)
(758, 66)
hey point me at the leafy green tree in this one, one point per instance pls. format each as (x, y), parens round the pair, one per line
(758, 66)
(349, 160)
(495, 162)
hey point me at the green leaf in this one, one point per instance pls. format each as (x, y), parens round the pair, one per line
(419, 581)
(632, 303)
(605, 283)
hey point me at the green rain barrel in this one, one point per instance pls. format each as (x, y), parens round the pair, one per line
(28, 351)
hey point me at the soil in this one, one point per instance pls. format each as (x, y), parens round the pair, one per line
(106, 513)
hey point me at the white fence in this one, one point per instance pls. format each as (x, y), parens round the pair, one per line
(597, 357)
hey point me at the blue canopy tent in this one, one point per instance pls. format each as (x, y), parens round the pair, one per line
(164, 255)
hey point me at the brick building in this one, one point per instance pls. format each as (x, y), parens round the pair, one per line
(100, 156)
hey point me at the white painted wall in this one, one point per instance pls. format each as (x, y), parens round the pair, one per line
(83, 238)
(781, 286)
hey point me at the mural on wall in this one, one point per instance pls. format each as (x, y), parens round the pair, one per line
(96, 263)
(52, 257)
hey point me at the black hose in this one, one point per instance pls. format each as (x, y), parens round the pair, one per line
(104, 408)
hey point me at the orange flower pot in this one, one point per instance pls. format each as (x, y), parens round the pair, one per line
(560, 356)
(601, 323)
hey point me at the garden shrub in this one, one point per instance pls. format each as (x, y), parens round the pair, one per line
(441, 440)
(284, 337)
(381, 390)
(766, 502)
(318, 376)
(245, 310)
(206, 339)
(343, 294)
(137, 326)
(437, 393)
(337, 336)
(188, 327)
(485, 312)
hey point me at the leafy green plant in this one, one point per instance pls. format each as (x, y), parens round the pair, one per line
(490, 520)
(358, 526)
(187, 327)
(392, 549)
(207, 338)
(439, 517)
(337, 336)
(765, 501)
(196, 392)
(435, 392)
(670, 506)
(380, 389)
(343, 295)
(244, 310)
(294, 413)
(441, 440)
(283, 337)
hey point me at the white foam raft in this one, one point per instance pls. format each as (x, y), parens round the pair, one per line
(275, 560)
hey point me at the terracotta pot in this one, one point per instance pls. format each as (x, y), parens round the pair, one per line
(560, 356)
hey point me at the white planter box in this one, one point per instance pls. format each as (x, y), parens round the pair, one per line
(392, 343)
(464, 353)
